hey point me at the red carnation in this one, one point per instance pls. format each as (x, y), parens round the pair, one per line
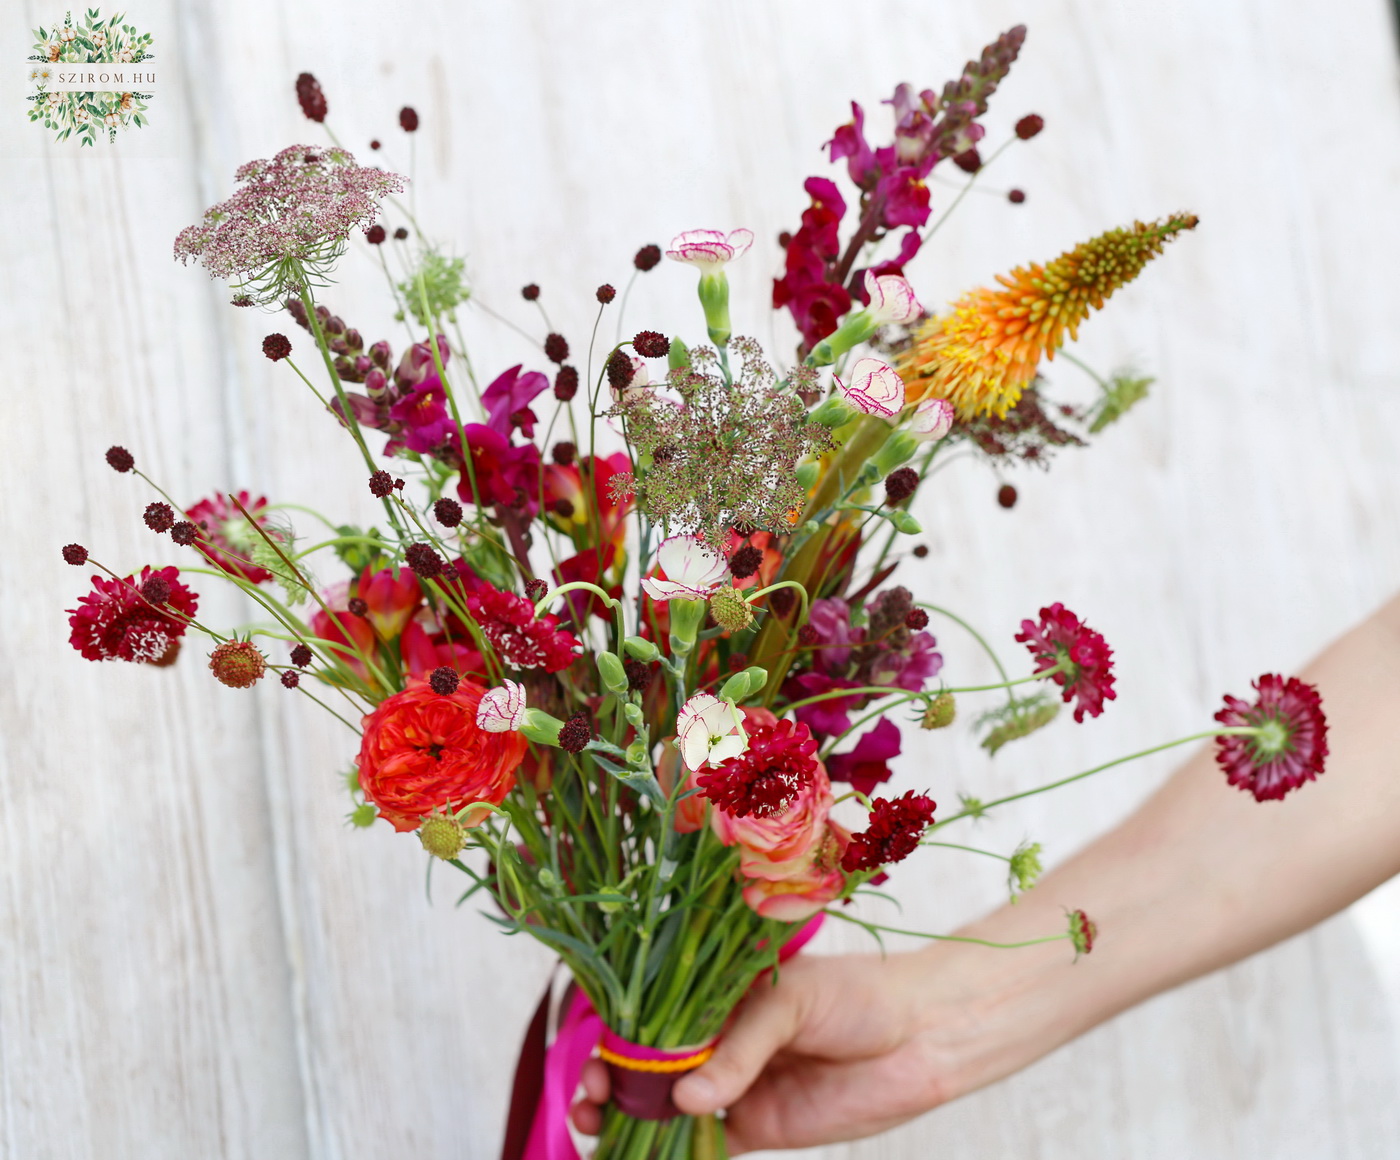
(229, 539)
(1291, 745)
(523, 640)
(895, 828)
(423, 752)
(766, 778)
(115, 622)
(1061, 638)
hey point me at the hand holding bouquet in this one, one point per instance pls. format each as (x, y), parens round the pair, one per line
(638, 671)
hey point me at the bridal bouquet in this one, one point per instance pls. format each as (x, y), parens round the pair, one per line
(637, 666)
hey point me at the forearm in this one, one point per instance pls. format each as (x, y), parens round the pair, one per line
(1201, 876)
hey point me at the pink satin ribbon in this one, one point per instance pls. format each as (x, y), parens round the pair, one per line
(579, 1034)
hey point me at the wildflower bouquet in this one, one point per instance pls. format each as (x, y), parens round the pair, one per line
(646, 699)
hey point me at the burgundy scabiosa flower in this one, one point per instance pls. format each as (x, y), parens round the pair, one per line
(229, 539)
(301, 656)
(895, 829)
(1290, 747)
(1061, 638)
(120, 459)
(556, 347)
(159, 517)
(310, 97)
(184, 533)
(290, 678)
(277, 346)
(115, 622)
(647, 258)
(767, 777)
(75, 554)
(566, 384)
(408, 119)
(447, 512)
(576, 733)
(444, 680)
(424, 560)
(605, 293)
(651, 344)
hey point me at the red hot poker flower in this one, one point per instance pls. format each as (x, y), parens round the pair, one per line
(115, 622)
(767, 777)
(896, 826)
(1291, 745)
(423, 752)
(1062, 638)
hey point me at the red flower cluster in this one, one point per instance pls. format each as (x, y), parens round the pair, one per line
(1061, 636)
(508, 621)
(896, 825)
(766, 778)
(423, 752)
(116, 622)
(229, 539)
(1291, 745)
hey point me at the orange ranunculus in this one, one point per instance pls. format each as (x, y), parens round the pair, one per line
(794, 899)
(423, 752)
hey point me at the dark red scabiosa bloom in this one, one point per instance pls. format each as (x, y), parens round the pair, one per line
(184, 533)
(1006, 495)
(530, 293)
(301, 656)
(745, 562)
(159, 517)
(357, 606)
(619, 371)
(536, 589)
(1016, 196)
(381, 484)
(921, 551)
(766, 778)
(651, 344)
(556, 347)
(290, 678)
(566, 384)
(75, 554)
(408, 119)
(400, 233)
(647, 258)
(916, 618)
(605, 293)
(808, 635)
(424, 560)
(564, 453)
(229, 539)
(969, 160)
(1082, 932)
(1029, 125)
(310, 97)
(447, 512)
(119, 459)
(237, 664)
(375, 235)
(576, 733)
(780, 602)
(156, 589)
(444, 680)
(1062, 638)
(277, 346)
(1290, 747)
(896, 827)
(114, 622)
(523, 640)
(638, 675)
(375, 144)
(900, 485)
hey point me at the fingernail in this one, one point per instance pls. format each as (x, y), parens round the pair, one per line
(699, 1093)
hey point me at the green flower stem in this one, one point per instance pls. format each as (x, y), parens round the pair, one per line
(301, 507)
(970, 850)
(858, 691)
(801, 592)
(320, 398)
(375, 541)
(982, 942)
(880, 711)
(1240, 730)
(977, 636)
(1063, 666)
(962, 193)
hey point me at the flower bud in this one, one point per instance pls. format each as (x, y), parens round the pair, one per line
(633, 713)
(1082, 932)
(540, 727)
(442, 836)
(613, 674)
(363, 816)
(730, 610)
(807, 474)
(686, 618)
(714, 297)
(679, 356)
(237, 664)
(899, 448)
(904, 522)
(741, 685)
(641, 649)
(940, 713)
(832, 413)
(1025, 868)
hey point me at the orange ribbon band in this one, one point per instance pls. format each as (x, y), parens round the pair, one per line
(660, 1066)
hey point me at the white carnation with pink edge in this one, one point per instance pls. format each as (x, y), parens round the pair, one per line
(693, 570)
(502, 709)
(709, 249)
(875, 388)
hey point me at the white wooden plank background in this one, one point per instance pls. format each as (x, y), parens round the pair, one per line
(197, 958)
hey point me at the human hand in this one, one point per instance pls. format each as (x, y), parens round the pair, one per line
(840, 1048)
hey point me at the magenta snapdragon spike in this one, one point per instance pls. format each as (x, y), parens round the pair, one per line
(289, 221)
(1061, 638)
(1290, 746)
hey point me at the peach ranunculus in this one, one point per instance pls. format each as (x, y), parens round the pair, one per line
(424, 752)
(794, 899)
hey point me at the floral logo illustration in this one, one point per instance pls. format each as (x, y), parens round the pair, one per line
(81, 102)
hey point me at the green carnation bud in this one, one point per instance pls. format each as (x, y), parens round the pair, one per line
(641, 649)
(898, 448)
(678, 359)
(442, 836)
(686, 616)
(730, 610)
(613, 674)
(834, 412)
(540, 727)
(904, 522)
(633, 713)
(940, 713)
(714, 297)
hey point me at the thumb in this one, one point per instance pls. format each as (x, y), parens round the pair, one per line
(768, 1020)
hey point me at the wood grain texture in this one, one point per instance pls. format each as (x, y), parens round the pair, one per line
(200, 959)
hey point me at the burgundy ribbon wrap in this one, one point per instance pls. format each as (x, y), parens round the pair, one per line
(642, 1077)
